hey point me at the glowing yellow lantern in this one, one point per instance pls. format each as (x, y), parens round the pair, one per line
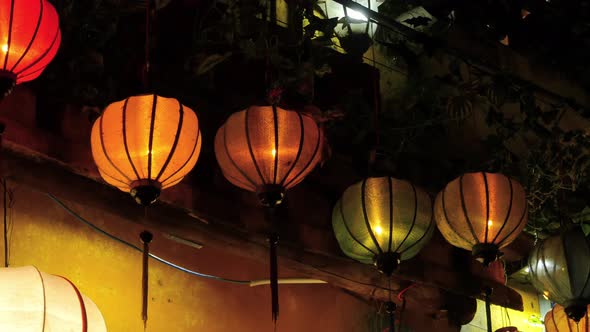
(383, 221)
(146, 143)
(267, 149)
(482, 212)
(33, 301)
(557, 320)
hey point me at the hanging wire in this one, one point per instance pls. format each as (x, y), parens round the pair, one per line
(146, 79)
(134, 247)
(5, 205)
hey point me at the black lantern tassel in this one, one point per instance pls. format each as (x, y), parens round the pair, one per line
(488, 292)
(146, 238)
(274, 277)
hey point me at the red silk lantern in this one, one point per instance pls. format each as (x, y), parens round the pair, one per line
(29, 39)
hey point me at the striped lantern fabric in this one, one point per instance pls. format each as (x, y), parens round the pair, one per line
(146, 142)
(482, 212)
(34, 301)
(29, 39)
(560, 269)
(267, 148)
(556, 320)
(382, 216)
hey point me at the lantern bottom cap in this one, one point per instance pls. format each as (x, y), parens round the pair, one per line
(486, 253)
(576, 311)
(145, 192)
(271, 195)
(387, 262)
(7, 83)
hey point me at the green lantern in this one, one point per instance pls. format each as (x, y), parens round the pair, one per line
(383, 221)
(560, 269)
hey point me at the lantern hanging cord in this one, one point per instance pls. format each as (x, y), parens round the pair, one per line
(251, 283)
(146, 79)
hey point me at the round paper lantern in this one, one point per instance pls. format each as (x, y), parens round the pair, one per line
(557, 320)
(482, 212)
(267, 149)
(560, 269)
(29, 39)
(382, 221)
(33, 301)
(145, 143)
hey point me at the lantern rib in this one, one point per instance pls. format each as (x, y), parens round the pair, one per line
(311, 159)
(106, 154)
(9, 40)
(233, 162)
(446, 218)
(32, 64)
(299, 150)
(41, 7)
(249, 143)
(413, 219)
(176, 139)
(588, 266)
(485, 183)
(552, 282)
(566, 253)
(151, 138)
(430, 226)
(110, 177)
(464, 206)
(82, 305)
(44, 295)
(277, 151)
(23, 77)
(188, 159)
(509, 211)
(125, 144)
(366, 216)
(350, 232)
(524, 212)
(390, 189)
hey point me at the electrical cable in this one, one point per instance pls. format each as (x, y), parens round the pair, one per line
(251, 283)
(132, 246)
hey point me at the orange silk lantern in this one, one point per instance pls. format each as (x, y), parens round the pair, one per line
(482, 212)
(557, 320)
(29, 39)
(145, 143)
(267, 149)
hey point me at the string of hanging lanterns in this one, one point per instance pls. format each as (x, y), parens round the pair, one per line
(29, 40)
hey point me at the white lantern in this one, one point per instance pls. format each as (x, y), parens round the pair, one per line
(33, 301)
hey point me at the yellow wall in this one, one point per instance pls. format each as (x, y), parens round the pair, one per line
(42, 234)
(500, 319)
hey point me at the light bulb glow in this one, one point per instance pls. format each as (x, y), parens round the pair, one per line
(378, 230)
(274, 152)
(355, 15)
(490, 223)
(5, 48)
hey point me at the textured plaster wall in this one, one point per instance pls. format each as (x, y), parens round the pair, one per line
(502, 317)
(42, 234)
